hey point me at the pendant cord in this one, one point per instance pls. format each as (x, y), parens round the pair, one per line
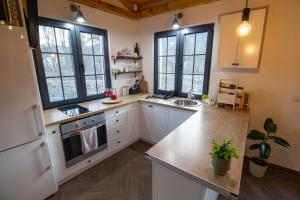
(246, 3)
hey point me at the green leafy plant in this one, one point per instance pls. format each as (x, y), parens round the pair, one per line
(263, 146)
(224, 150)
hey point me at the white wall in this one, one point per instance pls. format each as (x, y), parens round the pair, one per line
(122, 32)
(274, 89)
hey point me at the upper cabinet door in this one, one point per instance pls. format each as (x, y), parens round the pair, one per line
(250, 46)
(240, 52)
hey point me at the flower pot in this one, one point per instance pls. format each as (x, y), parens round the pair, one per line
(257, 167)
(221, 166)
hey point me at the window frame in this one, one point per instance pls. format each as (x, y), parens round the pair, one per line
(209, 28)
(77, 60)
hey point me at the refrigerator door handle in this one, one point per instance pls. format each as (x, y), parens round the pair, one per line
(39, 119)
(46, 155)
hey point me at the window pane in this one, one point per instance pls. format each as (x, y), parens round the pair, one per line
(63, 40)
(188, 62)
(69, 85)
(86, 43)
(199, 64)
(50, 65)
(162, 46)
(201, 41)
(99, 64)
(186, 83)
(172, 46)
(198, 84)
(162, 65)
(55, 89)
(91, 88)
(171, 64)
(47, 39)
(189, 44)
(170, 82)
(162, 81)
(100, 83)
(66, 65)
(98, 44)
(88, 62)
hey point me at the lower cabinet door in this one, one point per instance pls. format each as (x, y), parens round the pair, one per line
(117, 143)
(158, 123)
(145, 128)
(26, 172)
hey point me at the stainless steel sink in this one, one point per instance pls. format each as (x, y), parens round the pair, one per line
(186, 102)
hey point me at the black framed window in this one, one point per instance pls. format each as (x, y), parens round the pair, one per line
(191, 48)
(72, 62)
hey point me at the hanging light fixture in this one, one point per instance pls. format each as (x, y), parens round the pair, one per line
(244, 28)
(78, 16)
(175, 23)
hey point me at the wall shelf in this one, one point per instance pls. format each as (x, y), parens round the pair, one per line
(126, 58)
(129, 72)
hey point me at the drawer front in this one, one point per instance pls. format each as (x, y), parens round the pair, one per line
(117, 143)
(115, 112)
(116, 121)
(116, 132)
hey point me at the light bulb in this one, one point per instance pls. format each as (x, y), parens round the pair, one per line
(244, 28)
(175, 26)
(80, 19)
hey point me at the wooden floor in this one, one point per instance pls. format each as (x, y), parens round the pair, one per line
(127, 176)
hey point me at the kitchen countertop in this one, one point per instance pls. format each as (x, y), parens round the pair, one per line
(186, 149)
(54, 116)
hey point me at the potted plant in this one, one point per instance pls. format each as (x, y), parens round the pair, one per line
(221, 156)
(257, 165)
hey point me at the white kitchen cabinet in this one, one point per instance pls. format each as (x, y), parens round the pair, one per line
(145, 121)
(133, 116)
(240, 52)
(154, 119)
(176, 117)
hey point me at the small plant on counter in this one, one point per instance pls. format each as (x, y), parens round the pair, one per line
(257, 165)
(221, 156)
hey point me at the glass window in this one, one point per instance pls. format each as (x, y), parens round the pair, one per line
(72, 62)
(182, 60)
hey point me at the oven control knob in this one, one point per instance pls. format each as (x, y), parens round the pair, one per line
(119, 142)
(84, 123)
(93, 121)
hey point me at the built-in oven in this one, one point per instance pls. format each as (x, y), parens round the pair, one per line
(71, 134)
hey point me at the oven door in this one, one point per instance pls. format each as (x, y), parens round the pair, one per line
(72, 147)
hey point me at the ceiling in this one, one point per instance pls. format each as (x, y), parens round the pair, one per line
(137, 9)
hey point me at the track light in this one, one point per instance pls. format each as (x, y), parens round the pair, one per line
(175, 23)
(244, 28)
(78, 16)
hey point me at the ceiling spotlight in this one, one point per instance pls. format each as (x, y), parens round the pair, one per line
(78, 16)
(244, 28)
(175, 23)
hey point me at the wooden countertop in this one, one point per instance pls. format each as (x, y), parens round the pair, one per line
(54, 116)
(186, 149)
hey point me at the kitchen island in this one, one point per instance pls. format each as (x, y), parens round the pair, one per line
(182, 166)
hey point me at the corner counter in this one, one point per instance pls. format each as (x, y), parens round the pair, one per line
(183, 156)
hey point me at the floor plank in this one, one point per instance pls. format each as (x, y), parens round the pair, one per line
(127, 176)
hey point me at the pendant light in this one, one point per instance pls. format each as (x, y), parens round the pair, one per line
(175, 23)
(244, 28)
(78, 16)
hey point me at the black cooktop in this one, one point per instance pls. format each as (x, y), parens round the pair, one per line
(73, 110)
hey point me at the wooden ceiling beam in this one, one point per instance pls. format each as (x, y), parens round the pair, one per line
(167, 6)
(128, 4)
(106, 7)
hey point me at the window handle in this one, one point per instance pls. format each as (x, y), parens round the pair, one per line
(82, 66)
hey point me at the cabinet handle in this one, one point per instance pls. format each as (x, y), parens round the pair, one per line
(118, 131)
(150, 106)
(89, 161)
(117, 112)
(119, 142)
(117, 120)
(53, 132)
(37, 110)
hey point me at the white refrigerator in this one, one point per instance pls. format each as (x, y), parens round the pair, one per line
(25, 165)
